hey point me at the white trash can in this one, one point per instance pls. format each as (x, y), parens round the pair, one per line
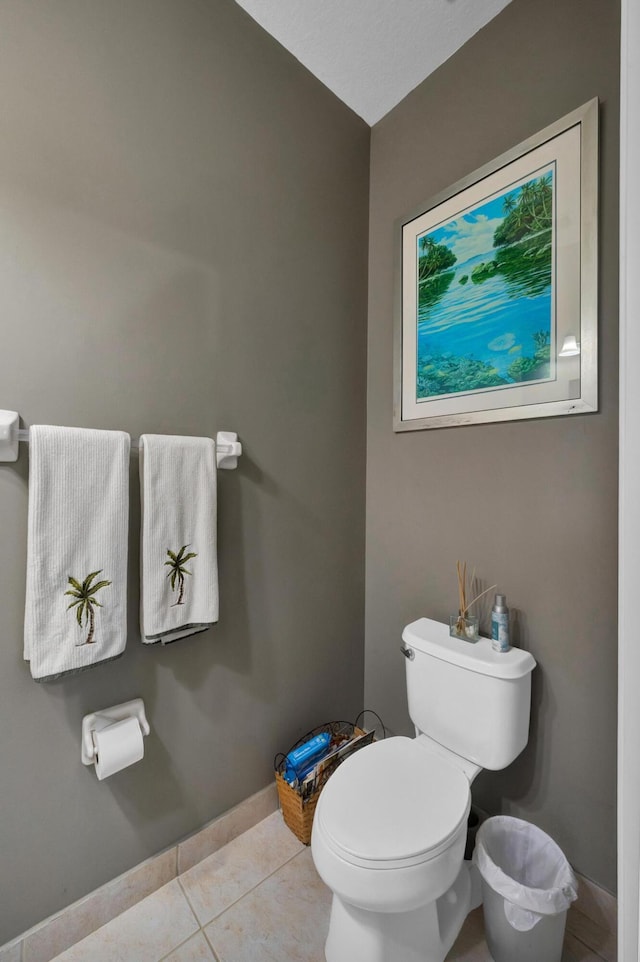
(527, 887)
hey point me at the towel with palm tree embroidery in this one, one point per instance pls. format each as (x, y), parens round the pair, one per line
(179, 565)
(76, 602)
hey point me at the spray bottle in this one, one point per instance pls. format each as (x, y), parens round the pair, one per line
(500, 624)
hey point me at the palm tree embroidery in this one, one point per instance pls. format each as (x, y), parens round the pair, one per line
(85, 602)
(178, 571)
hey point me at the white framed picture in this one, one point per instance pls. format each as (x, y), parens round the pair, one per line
(496, 288)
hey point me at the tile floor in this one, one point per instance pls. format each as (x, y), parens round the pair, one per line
(258, 899)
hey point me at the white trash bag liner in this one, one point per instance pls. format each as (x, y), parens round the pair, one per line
(526, 867)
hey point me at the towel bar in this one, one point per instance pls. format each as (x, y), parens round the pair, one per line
(228, 448)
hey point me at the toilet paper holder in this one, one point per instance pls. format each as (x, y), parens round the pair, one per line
(98, 720)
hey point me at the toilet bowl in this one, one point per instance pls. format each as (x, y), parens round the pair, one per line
(388, 839)
(390, 826)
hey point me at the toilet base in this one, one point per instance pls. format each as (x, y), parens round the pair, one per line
(423, 935)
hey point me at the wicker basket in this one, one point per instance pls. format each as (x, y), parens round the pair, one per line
(297, 811)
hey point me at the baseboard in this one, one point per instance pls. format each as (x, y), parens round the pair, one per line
(592, 921)
(597, 904)
(594, 914)
(59, 932)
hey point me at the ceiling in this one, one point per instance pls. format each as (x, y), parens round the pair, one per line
(372, 53)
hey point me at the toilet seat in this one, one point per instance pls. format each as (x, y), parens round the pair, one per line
(393, 804)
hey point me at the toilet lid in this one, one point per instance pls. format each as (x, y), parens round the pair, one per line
(393, 801)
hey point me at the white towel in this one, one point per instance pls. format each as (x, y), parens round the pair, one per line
(76, 603)
(179, 577)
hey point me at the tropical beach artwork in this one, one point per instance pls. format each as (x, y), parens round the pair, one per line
(485, 317)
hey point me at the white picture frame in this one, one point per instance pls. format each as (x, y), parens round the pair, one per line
(496, 288)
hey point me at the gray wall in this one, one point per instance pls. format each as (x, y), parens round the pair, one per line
(531, 504)
(183, 248)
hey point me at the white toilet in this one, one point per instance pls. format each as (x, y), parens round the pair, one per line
(390, 828)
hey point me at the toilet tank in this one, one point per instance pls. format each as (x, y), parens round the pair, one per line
(469, 698)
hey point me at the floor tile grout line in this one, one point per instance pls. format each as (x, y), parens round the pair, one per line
(576, 910)
(179, 945)
(200, 926)
(582, 940)
(119, 916)
(188, 901)
(20, 941)
(590, 948)
(210, 944)
(240, 897)
(195, 919)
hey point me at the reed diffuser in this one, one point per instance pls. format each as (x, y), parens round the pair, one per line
(463, 625)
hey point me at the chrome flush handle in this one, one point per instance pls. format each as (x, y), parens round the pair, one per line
(408, 652)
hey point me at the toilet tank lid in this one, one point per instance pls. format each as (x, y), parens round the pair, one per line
(433, 638)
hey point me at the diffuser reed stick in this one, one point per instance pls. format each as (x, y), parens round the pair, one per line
(463, 604)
